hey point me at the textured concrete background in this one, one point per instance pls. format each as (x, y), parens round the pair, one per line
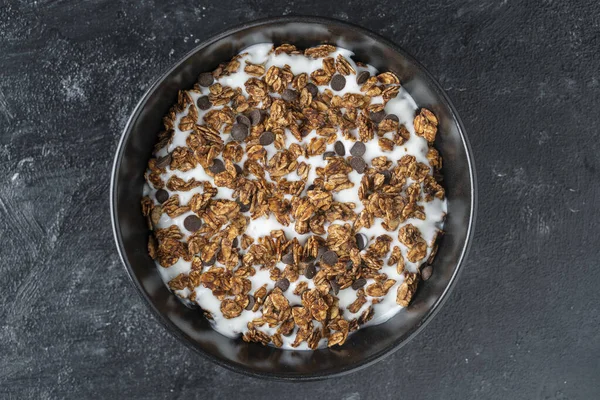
(524, 319)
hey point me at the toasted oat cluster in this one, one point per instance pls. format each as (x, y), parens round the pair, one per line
(294, 196)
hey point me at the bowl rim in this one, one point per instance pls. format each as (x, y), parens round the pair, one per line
(180, 335)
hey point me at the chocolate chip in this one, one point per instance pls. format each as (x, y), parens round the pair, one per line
(387, 176)
(266, 138)
(192, 223)
(203, 103)
(426, 272)
(361, 240)
(358, 149)
(358, 164)
(377, 117)
(329, 257)
(304, 132)
(161, 195)
(312, 89)
(289, 95)
(339, 148)
(283, 284)
(335, 287)
(311, 187)
(251, 302)
(337, 82)
(234, 243)
(239, 132)
(393, 117)
(206, 79)
(309, 259)
(244, 207)
(357, 284)
(328, 154)
(242, 119)
(256, 116)
(310, 271)
(163, 162)
(217, 166)
(210, 262)
(238, 169)
(288, 258)
(362, 77)
(349, 265)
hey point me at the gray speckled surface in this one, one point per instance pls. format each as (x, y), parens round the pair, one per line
(524, 319)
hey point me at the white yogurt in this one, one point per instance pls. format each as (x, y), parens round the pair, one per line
(402, 106)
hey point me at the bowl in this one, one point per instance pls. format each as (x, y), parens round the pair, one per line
(365, 346)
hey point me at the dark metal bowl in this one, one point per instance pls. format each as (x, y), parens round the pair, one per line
(365, 346)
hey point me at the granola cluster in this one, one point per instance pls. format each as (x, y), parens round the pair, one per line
(313, 155)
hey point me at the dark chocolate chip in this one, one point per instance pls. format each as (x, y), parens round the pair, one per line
(283, 284)
(256, 116)
(234, 243)
(163, 162)
(338, 82)
(328, 154)
(266, 138)
(239, 132)
(238, 169)
(426, 272)
(349, 265)
(288, 258)
(358, 149)
(358, 164)
(242, 119)
(192, 223)
(387, 176)
(393, 117)
(377, 117)
(251, 302)
(362, 77)
(206, 79)
(339, 148)
(204, 103)
(357, 284)
(310, 271)
(161, 195)
(210, 262)
(335, 287)
(217, 166)
(244, 207)
(329, 257)
(289, 95)
(312, 89)
(361, 240)
(311, 187)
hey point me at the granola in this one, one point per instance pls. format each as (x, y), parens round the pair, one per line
(295, 196)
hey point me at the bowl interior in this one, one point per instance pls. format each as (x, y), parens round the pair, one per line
(365, 345)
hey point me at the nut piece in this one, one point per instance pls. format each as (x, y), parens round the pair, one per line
(407, 289)
(426, 125)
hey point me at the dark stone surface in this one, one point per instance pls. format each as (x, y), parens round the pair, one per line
(524, 319)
